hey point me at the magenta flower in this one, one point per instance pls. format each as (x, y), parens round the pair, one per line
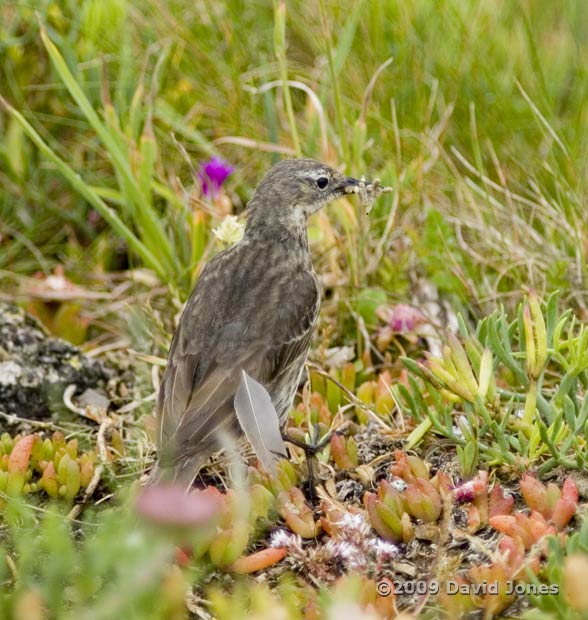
(212, 174)
(403, 318)
(400, 319)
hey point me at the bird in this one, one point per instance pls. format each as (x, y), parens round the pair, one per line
(252, 314)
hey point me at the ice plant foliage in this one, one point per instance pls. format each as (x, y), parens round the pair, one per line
(551, 507)
(344, 451)
(526, 535)
(297, 514)
(376, 394)
(554, 504)
(512, 388)
(394, 506)
(210, 523)
(212, 174)
(31, 463)
(286, 478)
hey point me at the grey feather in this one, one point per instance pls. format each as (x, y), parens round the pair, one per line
(259, 420)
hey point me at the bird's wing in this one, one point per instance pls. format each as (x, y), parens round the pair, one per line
(235, 320)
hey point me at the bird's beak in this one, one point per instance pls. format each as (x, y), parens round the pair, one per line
(347, 182)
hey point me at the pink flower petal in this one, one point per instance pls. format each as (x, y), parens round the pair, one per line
(169, 504)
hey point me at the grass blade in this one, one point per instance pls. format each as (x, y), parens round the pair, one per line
(146, 216)
(88, 193)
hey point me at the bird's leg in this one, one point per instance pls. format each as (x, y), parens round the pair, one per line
(310, 450)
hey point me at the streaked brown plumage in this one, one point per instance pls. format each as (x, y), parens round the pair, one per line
(254, 308)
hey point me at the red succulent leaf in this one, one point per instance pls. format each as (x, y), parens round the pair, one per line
(297, 514)
(535, 495)
(536, 526)
(499, 503)
(408, 467)
(512, 526)
(569, 491)
(183, 556)
(562, 513)
(443, 484)
(513, 551)
(339, 452)
(18, 461)
(259, 560)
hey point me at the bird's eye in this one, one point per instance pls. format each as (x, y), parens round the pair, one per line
(322, 182)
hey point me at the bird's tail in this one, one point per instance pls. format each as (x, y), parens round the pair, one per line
(182, 473)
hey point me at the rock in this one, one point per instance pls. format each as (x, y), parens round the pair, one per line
(93, 399)
(35, 368)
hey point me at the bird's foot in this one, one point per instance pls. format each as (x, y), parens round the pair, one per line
(310, 449)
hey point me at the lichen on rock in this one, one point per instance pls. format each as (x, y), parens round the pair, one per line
(35, 368)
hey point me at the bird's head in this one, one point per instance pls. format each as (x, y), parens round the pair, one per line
(296, 188)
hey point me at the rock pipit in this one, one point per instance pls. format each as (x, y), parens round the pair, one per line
(254, 309)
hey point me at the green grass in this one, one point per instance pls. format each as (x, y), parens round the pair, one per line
(480, 116)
